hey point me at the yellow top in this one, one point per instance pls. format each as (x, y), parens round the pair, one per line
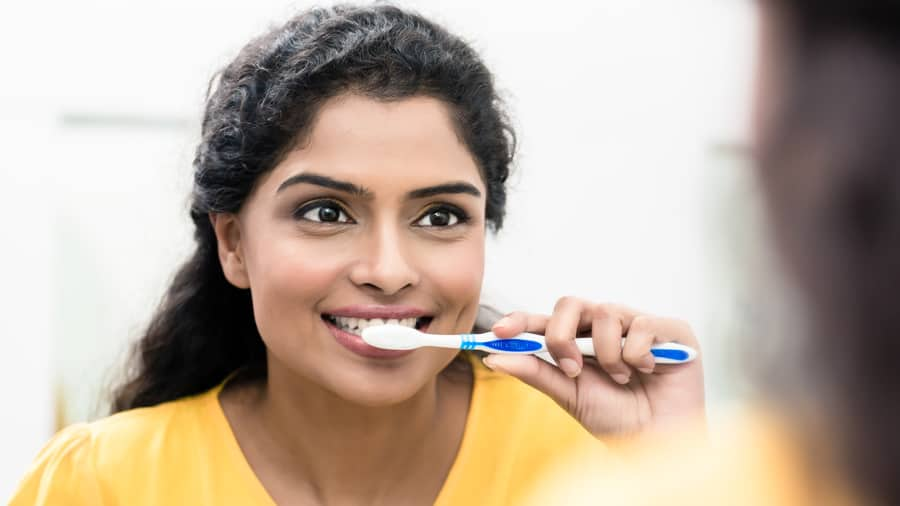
(184, 452)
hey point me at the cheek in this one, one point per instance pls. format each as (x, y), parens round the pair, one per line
(456, 272)
(288, 277)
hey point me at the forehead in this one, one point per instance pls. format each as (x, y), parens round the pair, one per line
(402, 143)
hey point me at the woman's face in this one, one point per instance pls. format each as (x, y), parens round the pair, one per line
(379, 215)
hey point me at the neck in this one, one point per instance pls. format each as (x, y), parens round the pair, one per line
(343, 452)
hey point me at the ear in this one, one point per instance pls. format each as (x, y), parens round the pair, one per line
(231, 255)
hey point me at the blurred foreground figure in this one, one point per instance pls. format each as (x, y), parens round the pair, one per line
(827, 128)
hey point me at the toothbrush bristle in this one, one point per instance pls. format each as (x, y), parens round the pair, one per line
(391, 337)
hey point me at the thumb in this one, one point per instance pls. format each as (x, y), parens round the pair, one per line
(536, 373)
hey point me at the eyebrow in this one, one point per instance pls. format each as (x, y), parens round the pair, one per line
(441, 189)
(458, 187)
(326, 182)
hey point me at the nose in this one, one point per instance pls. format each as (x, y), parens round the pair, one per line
(384, 265)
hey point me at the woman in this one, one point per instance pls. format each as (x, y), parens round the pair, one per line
(350, 165)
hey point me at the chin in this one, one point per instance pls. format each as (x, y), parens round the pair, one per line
(375, 385)
(376, 390)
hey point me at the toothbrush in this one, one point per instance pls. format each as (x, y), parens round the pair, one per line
(398, 337)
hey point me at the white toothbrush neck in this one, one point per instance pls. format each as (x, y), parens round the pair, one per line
(442, 341)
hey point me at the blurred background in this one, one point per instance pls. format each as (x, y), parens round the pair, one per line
(632, 183)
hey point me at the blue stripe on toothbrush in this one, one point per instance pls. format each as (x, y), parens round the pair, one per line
(468, 342)
(514, 345)
(679, 355)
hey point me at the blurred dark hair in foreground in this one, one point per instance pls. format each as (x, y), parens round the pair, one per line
(829, 155)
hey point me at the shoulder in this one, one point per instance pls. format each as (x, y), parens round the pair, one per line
(62, 473)
(141, 426)
(74, 466)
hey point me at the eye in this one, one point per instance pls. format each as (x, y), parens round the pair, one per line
(323, 212)
(442, 217)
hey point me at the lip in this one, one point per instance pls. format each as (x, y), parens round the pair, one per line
(355, 343)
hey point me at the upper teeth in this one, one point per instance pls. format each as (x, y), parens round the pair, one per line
(360, 324)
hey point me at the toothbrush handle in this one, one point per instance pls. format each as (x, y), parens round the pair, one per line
(663, 353)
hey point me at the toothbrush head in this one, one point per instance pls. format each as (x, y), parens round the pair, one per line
(392, 337)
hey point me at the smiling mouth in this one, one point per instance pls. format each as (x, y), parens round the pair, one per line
(357, 325)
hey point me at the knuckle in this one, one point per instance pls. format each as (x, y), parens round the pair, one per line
(556, 342)
(566, 301)
(642, 323)
(601, 312)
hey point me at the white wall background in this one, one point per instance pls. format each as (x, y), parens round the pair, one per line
(623, 191)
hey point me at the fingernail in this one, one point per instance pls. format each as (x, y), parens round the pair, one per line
(646, 370)
(506, 321)
(621, 378)
(570, 367)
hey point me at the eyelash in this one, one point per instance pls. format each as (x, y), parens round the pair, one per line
(462, 217)
(319, 203)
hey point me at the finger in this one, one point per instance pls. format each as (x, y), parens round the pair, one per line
(642, 334)
(562, 329)
(517, 322)
(625, 314)
(539, 374)
(606, 332)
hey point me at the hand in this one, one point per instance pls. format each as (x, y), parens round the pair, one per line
(621, 392)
